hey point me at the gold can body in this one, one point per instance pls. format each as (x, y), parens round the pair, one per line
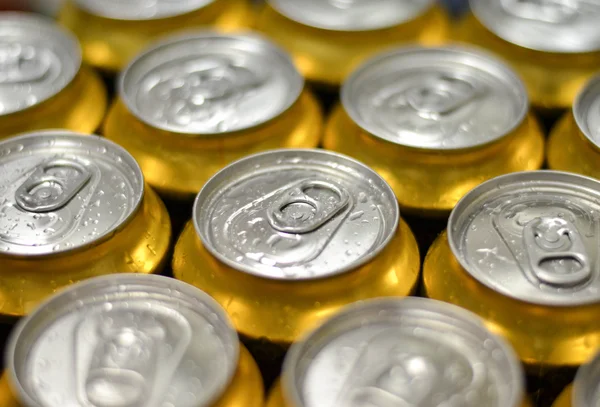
(79, 107)
(244, 390)
(178, 165)
(429, 182)
(570, 150)
(552, 79)
(564, 399)
(325, 57)
(108, 44)
(532, 329)
(279, 310)
(139, 246)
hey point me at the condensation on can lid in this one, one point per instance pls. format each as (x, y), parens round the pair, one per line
(396, 352)
(586, 110)
(124, 339)
(352, 15)
(136, 10)
(435, 98)
(210, 84)
(532, 236)
(296, 214)
(546, 25)
(586, 386)
(38, 60)
(61, 191)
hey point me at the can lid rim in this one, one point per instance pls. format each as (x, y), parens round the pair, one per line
(89, 8)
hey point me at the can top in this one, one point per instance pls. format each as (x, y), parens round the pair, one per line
(543, 25)
(586, 108)
(532, 236)
(296, 214)
(61, 191)
(586, 387)
(38, 60)
(124, 340)
(435, 98)
(140, 9)
(403, 352)
(210, 84)
(351, 15)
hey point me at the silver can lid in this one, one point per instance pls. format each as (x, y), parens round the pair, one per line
(124, 340)
(564, 26)
(296, 214)
(37, 60)
(586, 387)
(403, 352)
(61, 191)
(586, 110)
(210, 84)
(351, 15)
(435, 98)
(140, 9)
(533, 236)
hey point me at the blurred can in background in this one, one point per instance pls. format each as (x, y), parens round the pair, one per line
(112, 32)
(43, 84)
(327, 38)
(554, 45)
(190, 105)
(585, 388)
(72, 207)
(574, 143)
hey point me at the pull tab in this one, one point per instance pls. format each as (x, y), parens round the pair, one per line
(556, 239)
(442, 95)
(547, 11)
(297, 212)
(52, 185)
(21, 64)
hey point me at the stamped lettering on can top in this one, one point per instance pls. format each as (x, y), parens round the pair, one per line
(532, 236)
(389, 355)
(141, 9)
(352, 15)
(296, 214)
(60, 191)
(544, 25)
(127, 340)
(435, 98)
(37, 61)
(586, 110)
(209, 84)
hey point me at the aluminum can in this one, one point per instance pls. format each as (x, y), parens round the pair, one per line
(401, 352)
(42, 82)
(131, 340)
(190, 105)
(574, 143)
(584, 390)
(554, 45)
(434, 123)
(283, 239)
(112, 32)
(72, 207)
(521, 251)
(328, 37)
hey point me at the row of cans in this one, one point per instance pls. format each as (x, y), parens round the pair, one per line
(434, 122)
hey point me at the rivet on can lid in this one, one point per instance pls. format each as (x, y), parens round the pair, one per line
(124, 340)
(532, 236)
(141, 9)
(403, 352)
(543, 25)
(210, 84)
(586, 110)
(435, 98)
(60, 191)
(37, 60)
(351, 15)
(296, 214)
